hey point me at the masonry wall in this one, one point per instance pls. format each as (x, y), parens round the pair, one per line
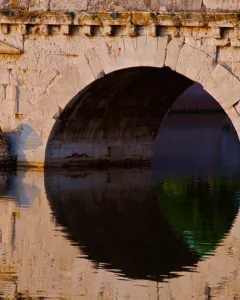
(46, 59)
(122, 5)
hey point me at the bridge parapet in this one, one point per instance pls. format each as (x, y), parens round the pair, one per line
(122, 5)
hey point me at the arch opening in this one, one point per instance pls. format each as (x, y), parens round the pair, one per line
(116, 118)
(141, 211)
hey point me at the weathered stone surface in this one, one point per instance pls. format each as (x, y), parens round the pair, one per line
(223, 86)
(228, 54)
(173, 51)
(74, 5)
(4, 76)
(18, 4)
(222, 5)
(39, 5)
(124, 5)
(4, 149)
(164, 5)
(60, 56)
(65, 86)
(206, 70)
(7, 49)
(116, 5)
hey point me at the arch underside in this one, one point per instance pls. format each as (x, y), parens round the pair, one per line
(116, 118)
(109, 103)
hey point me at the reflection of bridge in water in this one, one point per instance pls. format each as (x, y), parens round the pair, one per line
(38, 260)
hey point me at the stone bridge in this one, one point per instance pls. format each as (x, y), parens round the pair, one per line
(92, 80)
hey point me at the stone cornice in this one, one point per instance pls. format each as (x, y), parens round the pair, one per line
(120, 18)
(94, 24)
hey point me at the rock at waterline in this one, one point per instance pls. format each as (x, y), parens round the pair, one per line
(5, 157)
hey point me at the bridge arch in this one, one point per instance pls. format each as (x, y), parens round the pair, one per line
(101, 59)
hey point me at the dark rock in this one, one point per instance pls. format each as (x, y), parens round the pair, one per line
(5, 157)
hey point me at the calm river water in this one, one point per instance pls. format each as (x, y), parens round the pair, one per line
(168, 232)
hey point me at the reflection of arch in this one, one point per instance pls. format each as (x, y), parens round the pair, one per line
(112, 55)
(115, 219)
(119, 222)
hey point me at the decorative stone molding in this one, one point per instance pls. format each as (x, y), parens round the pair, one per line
(143, 23)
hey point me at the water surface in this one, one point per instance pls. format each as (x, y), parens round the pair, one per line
(171, 231)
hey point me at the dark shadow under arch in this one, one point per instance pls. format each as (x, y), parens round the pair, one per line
(116, 118)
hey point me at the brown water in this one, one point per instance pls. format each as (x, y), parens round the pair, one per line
(169, 232)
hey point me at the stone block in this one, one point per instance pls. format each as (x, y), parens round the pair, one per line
(235, 42)
(117, 5)
(186, 31)
(173, 49)
(184, 59)
(193, 41)
(86, 30)
(202, 32)
(94, 62)
(161, 51)
(2, 91)
(103, 52)
(196, 62)
(4, 29)
(190, 62)
(73, 5)
(4, 76)
(223, 86)
(39, 5)
(64, 29)
(166, 5)
(128, 55)
(11, 92)
(235, 69)
(210, 50)
(4, 4)
(215, 42)
(8, 107)
(228, 54)
(228, 6)
(206, 70)
(65, 86)
(85, 70)
(213, 5)
(19, 4)
(146, 47)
